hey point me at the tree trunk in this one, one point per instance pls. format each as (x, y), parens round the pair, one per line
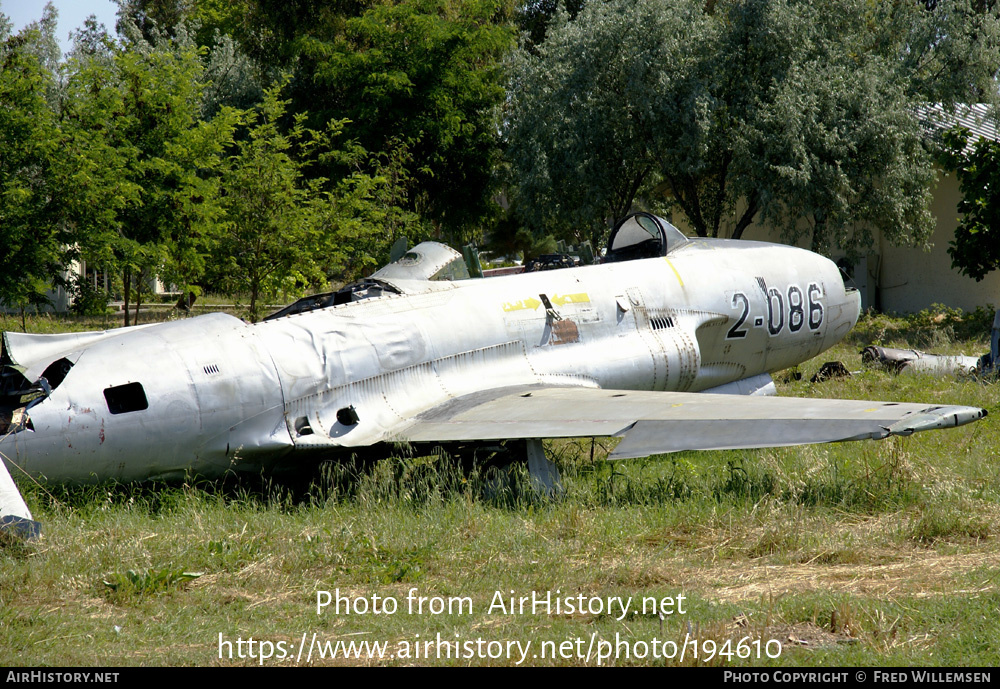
(126, 288)
(747, 217)
(254, 289)
(819, 232)
(138, 297)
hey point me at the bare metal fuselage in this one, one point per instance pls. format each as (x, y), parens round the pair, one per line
(221, 394)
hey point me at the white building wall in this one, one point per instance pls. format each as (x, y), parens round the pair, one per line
(912, 279)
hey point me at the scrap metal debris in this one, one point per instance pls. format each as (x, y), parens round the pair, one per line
(915, 361)
(831, 369)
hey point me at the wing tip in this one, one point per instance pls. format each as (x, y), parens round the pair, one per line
(934, 418)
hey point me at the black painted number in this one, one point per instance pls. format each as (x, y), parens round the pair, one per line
(735, 331)
(775, 312)
(815, 306)
(796, 314)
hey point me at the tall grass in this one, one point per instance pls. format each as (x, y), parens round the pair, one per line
(857, 553)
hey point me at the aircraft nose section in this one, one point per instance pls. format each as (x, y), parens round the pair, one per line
(843, 305)
(853, 298)
(852, 295)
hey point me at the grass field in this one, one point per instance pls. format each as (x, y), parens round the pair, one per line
(850, 554)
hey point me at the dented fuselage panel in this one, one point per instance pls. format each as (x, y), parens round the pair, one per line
(204, 385)
(211, 394)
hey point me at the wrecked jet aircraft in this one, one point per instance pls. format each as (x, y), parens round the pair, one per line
(618, 349)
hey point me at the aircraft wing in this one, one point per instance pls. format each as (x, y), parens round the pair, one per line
(658, 422)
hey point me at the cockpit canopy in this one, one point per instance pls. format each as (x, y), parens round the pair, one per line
(642, 235)
(426, 261)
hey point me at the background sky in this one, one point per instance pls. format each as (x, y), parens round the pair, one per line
(71, 15)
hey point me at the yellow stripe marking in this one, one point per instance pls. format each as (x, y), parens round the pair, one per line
(530, 304)
(578, 298)
(675, 271)
(524, 305)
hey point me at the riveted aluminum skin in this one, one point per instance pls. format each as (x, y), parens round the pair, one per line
(212, 398)
(614, 349)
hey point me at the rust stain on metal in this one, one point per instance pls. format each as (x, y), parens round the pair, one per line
(564, 331)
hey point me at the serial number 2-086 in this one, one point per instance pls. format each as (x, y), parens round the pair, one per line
(801, 309)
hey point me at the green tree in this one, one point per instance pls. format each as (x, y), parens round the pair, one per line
(273, 234)
(838, 153)
(35, 238)
(799, 114)
(58, 190)
(139, 105)
(975, 250)
(534, 17)
(422, 74)
(287, 229)
(153, 18)
(577, 129)
(231, 78)
(372, 210)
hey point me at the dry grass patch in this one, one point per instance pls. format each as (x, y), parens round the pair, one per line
(918, 573)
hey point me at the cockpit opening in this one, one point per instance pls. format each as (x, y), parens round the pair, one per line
(642, 235)
(55, 372)
(18, 394)
(356, 291)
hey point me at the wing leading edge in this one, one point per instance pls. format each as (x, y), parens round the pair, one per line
(659, 422)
